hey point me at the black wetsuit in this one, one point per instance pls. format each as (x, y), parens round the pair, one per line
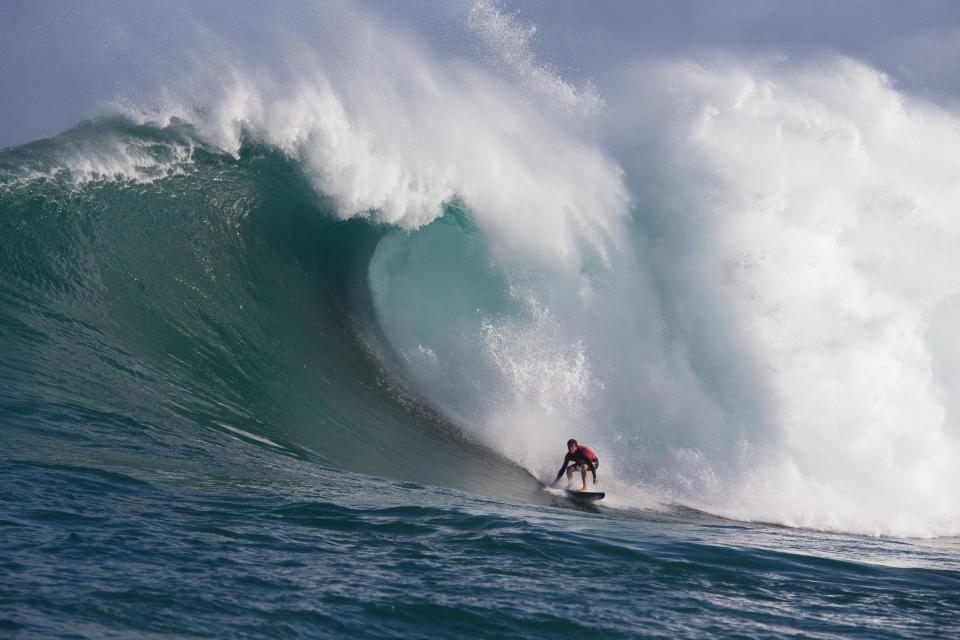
(578, 457)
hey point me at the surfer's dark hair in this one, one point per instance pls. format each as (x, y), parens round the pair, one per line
(571, 442)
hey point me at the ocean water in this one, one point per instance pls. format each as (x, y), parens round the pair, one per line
(296, 354)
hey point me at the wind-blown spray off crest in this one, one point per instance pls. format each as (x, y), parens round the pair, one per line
(390, 132)
(510, 45)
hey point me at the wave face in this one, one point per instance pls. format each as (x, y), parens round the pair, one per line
(208, 292)
(734, 280)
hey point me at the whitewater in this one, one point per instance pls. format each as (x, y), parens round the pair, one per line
(293, 337)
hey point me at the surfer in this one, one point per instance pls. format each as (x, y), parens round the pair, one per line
(579, 458)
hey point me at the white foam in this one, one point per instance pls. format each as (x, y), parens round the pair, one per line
(83, 159)
(822, 224)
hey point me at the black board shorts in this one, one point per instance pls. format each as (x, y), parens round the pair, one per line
(580, 465)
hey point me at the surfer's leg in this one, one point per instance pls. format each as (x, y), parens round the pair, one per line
(583, 476)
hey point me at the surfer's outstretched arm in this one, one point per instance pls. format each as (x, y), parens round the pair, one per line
(566, 461)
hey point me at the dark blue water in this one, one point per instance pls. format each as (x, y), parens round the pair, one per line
(204, 436)
(268, 547)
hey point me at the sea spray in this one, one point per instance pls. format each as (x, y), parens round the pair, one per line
(809, 210)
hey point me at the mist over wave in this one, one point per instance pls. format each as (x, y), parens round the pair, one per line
(806, 240)
(733, 276)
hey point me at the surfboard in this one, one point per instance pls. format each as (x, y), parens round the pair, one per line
(585, 495)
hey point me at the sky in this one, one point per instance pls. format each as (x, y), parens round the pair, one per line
(63, 61)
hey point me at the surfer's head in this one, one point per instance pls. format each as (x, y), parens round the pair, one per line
(572, 445)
